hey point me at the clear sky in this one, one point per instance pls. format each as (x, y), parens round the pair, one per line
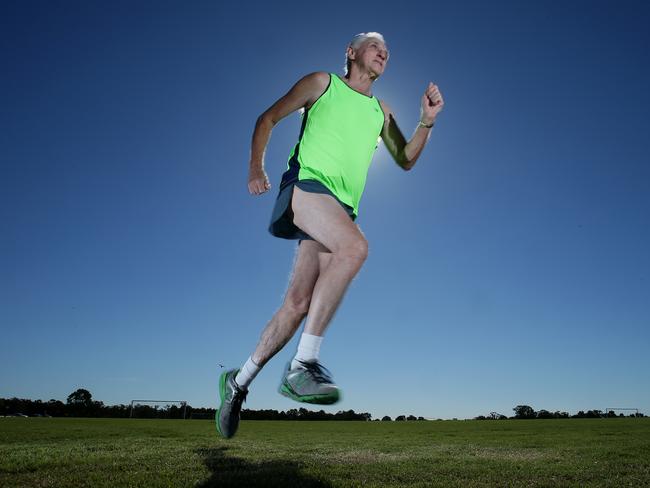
(510, 266)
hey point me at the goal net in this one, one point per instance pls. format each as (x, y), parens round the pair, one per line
(621, 412)
(158, 409)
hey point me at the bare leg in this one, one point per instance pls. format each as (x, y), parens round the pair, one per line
(322, 217)
(286, 321)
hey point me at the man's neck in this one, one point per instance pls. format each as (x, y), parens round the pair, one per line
(361, 81)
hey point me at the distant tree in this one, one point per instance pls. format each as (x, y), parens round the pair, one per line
(96, 409)
(346, 415)
(80, 397)
(524, 412)
(497, 416)
(544, 414)
(54, 408)
(594, 414)
(421, 418)
(400, 418)
(480, 417)
(411, 417)
(80, 403)
(386, 418)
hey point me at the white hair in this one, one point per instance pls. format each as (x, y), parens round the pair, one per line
(356, 42)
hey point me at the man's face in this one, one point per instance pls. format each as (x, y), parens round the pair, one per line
(373, 54)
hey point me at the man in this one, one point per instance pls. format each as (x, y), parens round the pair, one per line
(317, 204)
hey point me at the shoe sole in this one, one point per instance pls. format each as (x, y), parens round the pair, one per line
(222, 395)
(325, 399)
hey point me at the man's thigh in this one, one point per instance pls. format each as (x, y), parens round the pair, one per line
(323, 218)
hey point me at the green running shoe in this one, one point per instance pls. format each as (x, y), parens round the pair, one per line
(232, 397)
(310, 383)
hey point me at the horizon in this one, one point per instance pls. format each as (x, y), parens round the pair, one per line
(558, 413)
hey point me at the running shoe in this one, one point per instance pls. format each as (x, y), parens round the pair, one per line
(232, 396)
(310, 383)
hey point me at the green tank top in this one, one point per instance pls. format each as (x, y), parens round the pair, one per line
(339, 135)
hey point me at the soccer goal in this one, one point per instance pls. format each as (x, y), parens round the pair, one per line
(612, 412)
(152, 409)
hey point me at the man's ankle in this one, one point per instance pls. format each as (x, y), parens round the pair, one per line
(308, 349)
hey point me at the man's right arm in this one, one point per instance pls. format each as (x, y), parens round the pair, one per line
(302, 95)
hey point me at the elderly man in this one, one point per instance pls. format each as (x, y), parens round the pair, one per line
(317, 204)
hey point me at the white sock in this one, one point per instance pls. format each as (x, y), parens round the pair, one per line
(308, 349)
(247, 374)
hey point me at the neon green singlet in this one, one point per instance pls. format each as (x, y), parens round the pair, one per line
(339, 135)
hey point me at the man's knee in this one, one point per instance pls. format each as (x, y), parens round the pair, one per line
(355, 250)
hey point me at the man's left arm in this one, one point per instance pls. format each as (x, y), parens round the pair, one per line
(406, 153)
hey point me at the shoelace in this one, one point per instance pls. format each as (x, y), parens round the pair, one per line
(239, 395)
(318, 371)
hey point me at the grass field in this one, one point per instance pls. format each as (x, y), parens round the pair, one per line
(42, 452)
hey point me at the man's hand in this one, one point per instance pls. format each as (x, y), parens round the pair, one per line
(432, 104)
(258, 181)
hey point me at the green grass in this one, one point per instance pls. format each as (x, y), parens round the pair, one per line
(41, 452)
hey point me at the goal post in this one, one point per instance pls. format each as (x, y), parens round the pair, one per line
(147, 403)
(611, 411)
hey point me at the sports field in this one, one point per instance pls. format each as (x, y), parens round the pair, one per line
(43, 452)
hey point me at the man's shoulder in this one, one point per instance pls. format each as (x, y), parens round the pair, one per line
(314, 85)
(322, 75)
(317, 78)
(385, 107)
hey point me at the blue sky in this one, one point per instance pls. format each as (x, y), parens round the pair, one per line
(510, 266)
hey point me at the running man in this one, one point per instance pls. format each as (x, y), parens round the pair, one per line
(317, 204)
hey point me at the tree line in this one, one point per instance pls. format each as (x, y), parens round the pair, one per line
(81, 404)
(303, 414)
(528, 412)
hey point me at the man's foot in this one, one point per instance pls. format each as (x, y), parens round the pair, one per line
(310, 383)
(232, 396)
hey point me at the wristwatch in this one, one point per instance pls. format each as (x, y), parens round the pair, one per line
(422, 124)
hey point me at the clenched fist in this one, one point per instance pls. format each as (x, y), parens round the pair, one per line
(258, 181)
(432, 104)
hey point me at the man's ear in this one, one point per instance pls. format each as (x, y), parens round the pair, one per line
(350, 53)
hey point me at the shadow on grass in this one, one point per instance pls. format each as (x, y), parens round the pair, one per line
(232, 471)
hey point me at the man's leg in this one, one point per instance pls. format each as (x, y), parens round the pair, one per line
(296, 303)
(323, 218)
(309, 344)
(233, 384)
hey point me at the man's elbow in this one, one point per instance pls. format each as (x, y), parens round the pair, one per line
(404, 162)
(408, 166)
(266, 119)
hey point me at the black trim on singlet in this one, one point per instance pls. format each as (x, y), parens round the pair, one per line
(356, 91)
(291, 175)
(384, 114)
(324, 91)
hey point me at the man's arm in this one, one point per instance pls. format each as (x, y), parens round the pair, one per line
(406, 153)
(302, 95)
